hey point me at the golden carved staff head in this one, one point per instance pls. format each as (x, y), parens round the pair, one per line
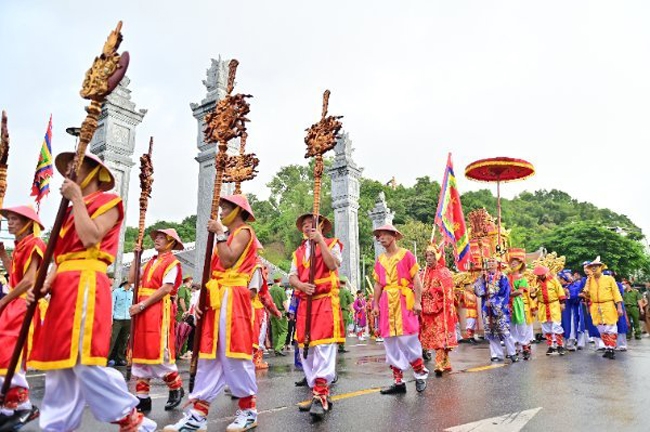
(226, 122)
(241, 167)
(321, 137)
(104, 75)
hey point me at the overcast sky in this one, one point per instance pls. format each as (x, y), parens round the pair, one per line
(564, 85)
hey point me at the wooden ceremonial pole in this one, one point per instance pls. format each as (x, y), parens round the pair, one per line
(226, 122)
(321, 137)
(104, 75)
(146, 184)
(4, 155)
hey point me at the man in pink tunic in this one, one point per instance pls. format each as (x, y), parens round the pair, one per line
(398, 292)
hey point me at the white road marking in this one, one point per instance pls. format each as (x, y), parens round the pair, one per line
(513, 422)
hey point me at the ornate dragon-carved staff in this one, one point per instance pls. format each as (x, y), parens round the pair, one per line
(241, 167)
(146, 184)
(104, 75)
(321, 137)
(4, 154)
(226, 122)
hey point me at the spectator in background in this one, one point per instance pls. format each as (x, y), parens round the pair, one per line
(279, 326)
(122, 301)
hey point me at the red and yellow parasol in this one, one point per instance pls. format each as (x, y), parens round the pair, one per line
(499, 169)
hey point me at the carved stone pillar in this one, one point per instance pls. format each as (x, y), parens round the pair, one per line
(114, 143)
(345, 175)
(380, 215)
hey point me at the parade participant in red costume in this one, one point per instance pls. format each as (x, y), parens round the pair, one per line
(326, 319)
(226, 352)
(398, 292)
(154, 338)
(72, 342)
(550, 303)
(262, 305)
(24, 224)
(469, 302)
(438, 318)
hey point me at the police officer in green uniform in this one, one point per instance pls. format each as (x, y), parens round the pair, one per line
(347, 298)
(633, 303)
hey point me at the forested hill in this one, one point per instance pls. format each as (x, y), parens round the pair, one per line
(543, 218)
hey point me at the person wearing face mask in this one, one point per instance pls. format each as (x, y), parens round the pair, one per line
(327, 328)
(606, 304)
(227, 336)
(494, 289)
(550, 304)
(398, 302)
(71, 345)
(154, 337)
(25, 225)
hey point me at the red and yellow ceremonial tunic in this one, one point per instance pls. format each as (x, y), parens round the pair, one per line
(154, 327)
(438, 318)
(326, 318)
(469, 302)
(77, 327)
(239, 311)
(12, 316)
(549, 295)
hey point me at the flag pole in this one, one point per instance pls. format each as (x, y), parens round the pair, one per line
(4, 155)
(104, 75)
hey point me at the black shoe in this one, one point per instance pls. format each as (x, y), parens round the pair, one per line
(495, 359)
(18, 419)
(426, 355)
(420, 385)
(175, 398)
(438, 372)
(394, 389)
(342, 349)
(302, 382)
(280, 353)
(514, 358)
(317, 410)
(637, 337)
(472, 341)
(335, 380)
(144, 405)
(561, 350)
(526, 355)
(550, 351)
(609, 353)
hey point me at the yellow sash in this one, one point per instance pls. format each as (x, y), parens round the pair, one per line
(227, 279)
(393, 292)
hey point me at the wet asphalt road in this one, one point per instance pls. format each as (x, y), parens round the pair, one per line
(578, 392)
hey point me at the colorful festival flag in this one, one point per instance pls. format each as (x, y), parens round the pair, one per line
(44, 171)
(450, 218)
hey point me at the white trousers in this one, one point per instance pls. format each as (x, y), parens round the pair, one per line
(608, 329)
(67, 391)
(213, 375)
(496, 350)
(262, 339)
(621, 341)
(19, 380)
(320, 363)
(470, 324)
(401, 351)
(552, 327)
(576, 338)
(148, 371)
(522, 333)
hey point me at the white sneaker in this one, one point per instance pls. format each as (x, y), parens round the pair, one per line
(190, 423)
(246, 420)
(147, 425)
(379, 339)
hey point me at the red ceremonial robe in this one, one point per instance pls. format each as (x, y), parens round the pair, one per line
(326, 318)
(12, 316)
(80, 285)
(154, 327)
(239, 310)
(438, 318)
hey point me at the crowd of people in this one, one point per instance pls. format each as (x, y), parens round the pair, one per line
(415, 313)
